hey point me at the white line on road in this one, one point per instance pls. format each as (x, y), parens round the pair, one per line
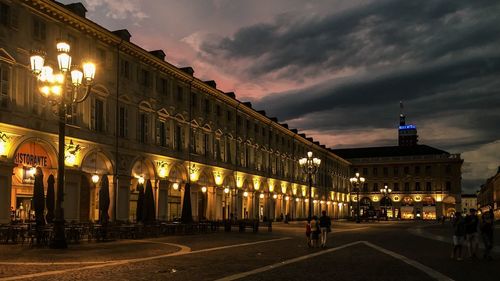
(286, 262)
(183, 251)
(429, 271)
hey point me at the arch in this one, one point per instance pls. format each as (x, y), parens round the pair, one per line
(97, 161)
(449, 200)
(146, 106)
(247, 185)
(229, 181)
(125, 98)
(177, 173)
(365, 201)
(143, 166)
(386, 201)
(49, 148)
(206, 178)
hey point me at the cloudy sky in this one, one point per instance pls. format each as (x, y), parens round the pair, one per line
(337, 70)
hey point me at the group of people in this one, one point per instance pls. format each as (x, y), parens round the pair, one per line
(467, 232)
(318, 229)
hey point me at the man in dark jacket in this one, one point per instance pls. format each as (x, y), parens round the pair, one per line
(324, 224)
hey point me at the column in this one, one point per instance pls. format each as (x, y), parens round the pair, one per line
(71, 203)
(5, 191)
(123, 198)
(162, 197)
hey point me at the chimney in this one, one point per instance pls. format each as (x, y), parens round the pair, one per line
(123, 34)
(188, 69)
(294, 131)
(284, 125)
(77, 8)
(247, 104)
(262, 112)
(231, 95)
(211, 83)
(274, 119)
(158, 53)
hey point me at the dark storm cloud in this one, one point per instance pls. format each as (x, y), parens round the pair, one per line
(379, 34)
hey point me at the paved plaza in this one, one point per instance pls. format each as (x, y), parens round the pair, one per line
(366, 251)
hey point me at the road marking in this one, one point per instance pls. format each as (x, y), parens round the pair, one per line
(286, 262)
(184, 251)
(429, 271)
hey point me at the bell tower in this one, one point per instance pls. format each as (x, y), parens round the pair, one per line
(407, 134)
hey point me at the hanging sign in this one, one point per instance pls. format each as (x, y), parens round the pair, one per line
(33, 155)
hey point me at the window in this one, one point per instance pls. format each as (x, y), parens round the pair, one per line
(73, 42)
(229, 116)
(417, 170)
(194, 100)
(97, 115)
(101, 53)
(161, 136)
(4, 86)
(145, 78)
(71, 113)
(180, 94)
(39, 30)
(123, 122)
(143, 127)
(125, 69)
(417, 186)
(365, 171)
(428, 186)
(406, 170)
(375, 187)
(447, 169)
(428, 170)
(178, 138)
(448, 186)
(396, 186)
(365, 187)
(385, 170)
(396, 171)
(207, 106)
(4, 14)
(375, 171)
(407, 186)
(219, 113)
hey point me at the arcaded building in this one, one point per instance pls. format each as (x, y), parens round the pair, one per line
(425, 182)
(145, 118)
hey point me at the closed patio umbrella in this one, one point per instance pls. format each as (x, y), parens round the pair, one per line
(149, 203)
(139, 212)
(50, 199)
(187, 215)
(39, 198)
(104, 201)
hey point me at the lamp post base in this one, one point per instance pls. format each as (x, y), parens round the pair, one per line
(59, 239)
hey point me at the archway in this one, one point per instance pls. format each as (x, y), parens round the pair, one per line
(177, 177)
(95, 162)
(142, 169)
(29, 154)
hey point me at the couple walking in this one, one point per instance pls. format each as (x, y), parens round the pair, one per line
(316, 229)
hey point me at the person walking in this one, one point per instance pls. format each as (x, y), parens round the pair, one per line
(487, 227)
(325, 224)
(458, 236)
(308, 233)
(314, 232)
(472, 234)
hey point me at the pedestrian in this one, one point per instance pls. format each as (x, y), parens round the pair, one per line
(472, 234)
(325, 224)
(458, 236)
(308, 233)
(487, 227)
(314, 232)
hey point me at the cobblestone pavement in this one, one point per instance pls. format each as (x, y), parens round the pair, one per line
(366, 251)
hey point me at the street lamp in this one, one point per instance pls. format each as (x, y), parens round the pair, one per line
(356, 183)
(226, 191)
(310, 166)
(385, 192)
(63, 90)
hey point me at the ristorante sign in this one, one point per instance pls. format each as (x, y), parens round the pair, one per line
(33, 155)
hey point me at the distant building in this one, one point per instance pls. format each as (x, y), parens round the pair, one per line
(489, 195)
(469, 201)
(425, 181)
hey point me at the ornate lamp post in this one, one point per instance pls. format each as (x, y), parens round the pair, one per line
(356, 183)
(310, 166)
(385, 192)
(62, 89)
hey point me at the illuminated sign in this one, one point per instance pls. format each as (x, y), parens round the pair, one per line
(31, 160)
(408, 127)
